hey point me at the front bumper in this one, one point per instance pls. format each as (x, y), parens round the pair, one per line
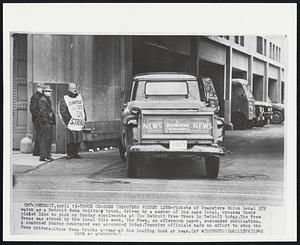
(201, 150)
(268, 115)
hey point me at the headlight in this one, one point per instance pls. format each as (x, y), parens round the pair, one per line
(261, 109)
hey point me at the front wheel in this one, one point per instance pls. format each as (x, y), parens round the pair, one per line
(239, 121)
(212, 167)
(277, 117)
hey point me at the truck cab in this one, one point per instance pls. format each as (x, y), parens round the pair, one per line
(167, 115)
(242, 104)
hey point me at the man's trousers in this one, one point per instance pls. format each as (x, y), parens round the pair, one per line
(45, 140)
(36, 137)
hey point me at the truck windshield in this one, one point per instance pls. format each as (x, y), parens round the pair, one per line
(166, 88)
(239, 90)
(248, 92)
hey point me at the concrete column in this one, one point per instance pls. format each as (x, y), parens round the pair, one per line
(250, 71)
(194, 57)
(227, 86)
(74, 59)
(29, 80)
(128, 66)
(266, 82)
(86, 67)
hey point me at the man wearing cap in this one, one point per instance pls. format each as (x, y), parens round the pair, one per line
(34, 109)
(47, 120)
(72, 111)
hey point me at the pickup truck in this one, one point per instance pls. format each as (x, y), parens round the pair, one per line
(168, 115)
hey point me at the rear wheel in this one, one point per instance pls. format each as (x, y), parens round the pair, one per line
(277, 117)
(212, 167)
(131, 165)
(239, 121)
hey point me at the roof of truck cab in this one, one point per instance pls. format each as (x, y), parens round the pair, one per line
(164, 76)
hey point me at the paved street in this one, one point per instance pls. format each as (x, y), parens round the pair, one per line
(250, 174)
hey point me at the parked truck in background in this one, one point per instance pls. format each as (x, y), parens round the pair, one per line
(267, 112)
(243, 114)
(278, 113)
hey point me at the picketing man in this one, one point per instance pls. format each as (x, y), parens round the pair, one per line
(34, 109)
(72, 111)
(46, 121)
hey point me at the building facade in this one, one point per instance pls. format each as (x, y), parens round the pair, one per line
(103, 66)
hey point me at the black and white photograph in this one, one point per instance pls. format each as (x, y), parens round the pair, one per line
(143, 133)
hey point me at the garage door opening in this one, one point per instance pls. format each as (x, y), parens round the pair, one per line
(216, 73)
(155, 58)
(258, 87)
(272, 90)
(239, 74)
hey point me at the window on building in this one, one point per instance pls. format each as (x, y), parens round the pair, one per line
(279, 54)
(259, 45)
(236, 39)
(270, 51)
(226, 37)
(265, 47)
(242, 40)
(273, 54)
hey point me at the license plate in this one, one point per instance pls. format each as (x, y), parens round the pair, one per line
(178, 144)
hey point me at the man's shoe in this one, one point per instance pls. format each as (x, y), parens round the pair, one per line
(69, 157)
(51, 159)
(46, 159)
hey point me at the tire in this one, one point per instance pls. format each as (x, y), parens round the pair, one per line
(122, 150)
(131, 165)
(250, 124)
(261, 123)
(212, 167)
(239, 121)
(277, 117)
